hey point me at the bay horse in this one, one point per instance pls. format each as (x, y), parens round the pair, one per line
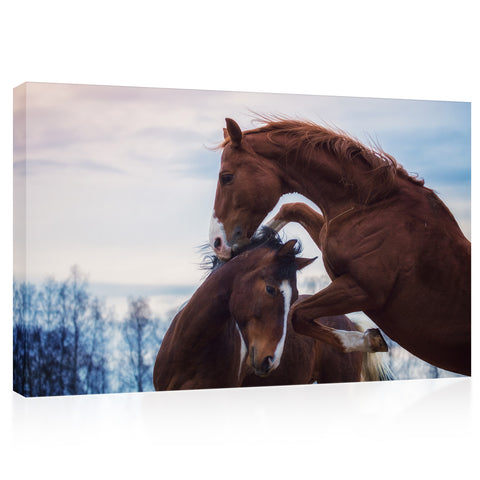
(219, 338)
(237, 317)
(391, 247)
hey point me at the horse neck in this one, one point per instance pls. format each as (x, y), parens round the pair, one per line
(208, 308)
(204, 331)
(313, 173)
(312, 180)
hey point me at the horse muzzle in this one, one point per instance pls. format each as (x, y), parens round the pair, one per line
(263, 367)
(224, 249)
(218, 240)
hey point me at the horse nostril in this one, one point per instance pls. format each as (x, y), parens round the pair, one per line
(266, 364)
(217, 243)
(237, 232)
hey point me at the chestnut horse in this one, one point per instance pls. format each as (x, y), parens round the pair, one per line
(237, 316)
(391, 247)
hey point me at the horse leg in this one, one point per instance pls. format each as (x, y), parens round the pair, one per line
(343, 295)
(308, 218)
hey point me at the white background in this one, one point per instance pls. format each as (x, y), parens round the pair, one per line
(409, 49)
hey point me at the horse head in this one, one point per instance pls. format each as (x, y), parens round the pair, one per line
(247, 190)
(260, 302)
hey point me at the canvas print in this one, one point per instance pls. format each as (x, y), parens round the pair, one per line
(182, 239)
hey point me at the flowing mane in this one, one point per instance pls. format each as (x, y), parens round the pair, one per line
(373, 181)
(265, 237)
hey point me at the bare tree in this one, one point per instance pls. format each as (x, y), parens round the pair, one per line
(59, 338)
(95, 349)
(23, 301)
(137, 331)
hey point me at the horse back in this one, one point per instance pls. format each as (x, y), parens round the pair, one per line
(162, 370)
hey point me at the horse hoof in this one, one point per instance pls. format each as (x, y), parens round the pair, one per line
(376, 341)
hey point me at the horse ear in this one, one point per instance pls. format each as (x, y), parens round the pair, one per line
(234, 132)
(225, 133)
(286, 248)
(303, 262)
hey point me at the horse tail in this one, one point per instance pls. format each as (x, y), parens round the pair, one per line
(375, 366)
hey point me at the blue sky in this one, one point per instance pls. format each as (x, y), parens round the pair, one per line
(121, 181)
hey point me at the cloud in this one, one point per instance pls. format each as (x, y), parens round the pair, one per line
(36, 166)
(121, 180)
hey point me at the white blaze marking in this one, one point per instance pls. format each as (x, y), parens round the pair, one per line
(243, 350)
(286, 290)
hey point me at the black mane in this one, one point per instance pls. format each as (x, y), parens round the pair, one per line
(264, 237)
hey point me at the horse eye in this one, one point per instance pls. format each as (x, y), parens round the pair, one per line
(226, 178)
(270, 290)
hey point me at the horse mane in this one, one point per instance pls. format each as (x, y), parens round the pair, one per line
(265, 237)
(373, 181)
